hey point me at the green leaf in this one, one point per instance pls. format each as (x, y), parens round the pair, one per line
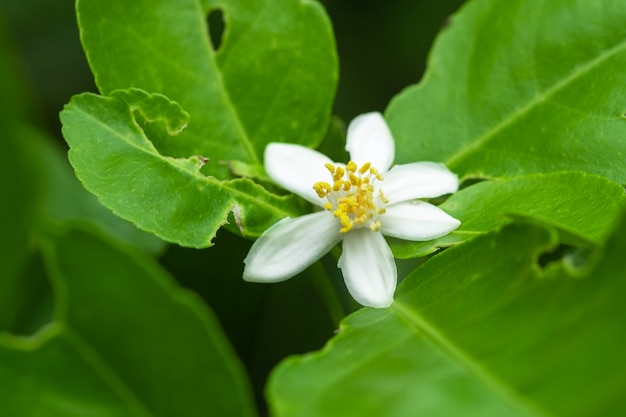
(126, 341)
(64, 200)
(54, 375)
(272, 79)
(519, 86)
(583, 207)
(479, 330)
(167, 196)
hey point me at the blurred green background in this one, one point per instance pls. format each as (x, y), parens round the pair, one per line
(382, 49)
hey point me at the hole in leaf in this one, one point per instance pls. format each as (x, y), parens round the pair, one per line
(555, 255)
(575, 259)
(217, 26)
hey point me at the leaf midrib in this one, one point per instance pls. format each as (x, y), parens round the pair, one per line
(544, 95)
(108, 374)
(217, 75)
(238, 195)
(230, 107)
(404, 312)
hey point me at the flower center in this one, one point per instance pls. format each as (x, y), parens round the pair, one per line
(352, 197)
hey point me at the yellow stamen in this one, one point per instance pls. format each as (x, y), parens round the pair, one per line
(365, 167)
(382, 197)
(375, 227)
(361, 219)
(338, 174)
(351, 197)
(346, 229)
(322, 188)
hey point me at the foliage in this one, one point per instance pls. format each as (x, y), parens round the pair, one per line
(111, 306)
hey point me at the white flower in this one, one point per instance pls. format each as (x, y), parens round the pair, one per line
(361, 202)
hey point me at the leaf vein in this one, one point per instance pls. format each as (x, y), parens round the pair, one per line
(183, 71)
(111, 377)
(538, 99)
(230, 107)
(531, 408)
(237, 194)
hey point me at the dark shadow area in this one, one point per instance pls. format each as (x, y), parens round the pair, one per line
(216, 20)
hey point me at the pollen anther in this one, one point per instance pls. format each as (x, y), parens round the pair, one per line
(338, 174)
(322, 188)
(352, 197)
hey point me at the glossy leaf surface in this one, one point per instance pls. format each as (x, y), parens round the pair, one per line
(479, 330)
(581, 206)
(272, 79)
(167, 196)
(517, 87)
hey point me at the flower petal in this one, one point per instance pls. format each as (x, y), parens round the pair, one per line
(369, 140)
(418, 180)
(290, 246)
(368, 268)
(417, 220)
(296, 168)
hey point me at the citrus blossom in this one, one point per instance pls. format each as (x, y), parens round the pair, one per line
(360, 202)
